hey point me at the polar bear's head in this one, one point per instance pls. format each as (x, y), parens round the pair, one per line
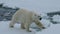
(37, 16)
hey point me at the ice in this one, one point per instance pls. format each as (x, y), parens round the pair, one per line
(56, 18)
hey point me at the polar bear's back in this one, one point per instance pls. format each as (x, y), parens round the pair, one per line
(22, 14)
(23, 11)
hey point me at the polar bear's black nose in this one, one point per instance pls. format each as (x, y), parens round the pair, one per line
(40, 18)
(43, 28)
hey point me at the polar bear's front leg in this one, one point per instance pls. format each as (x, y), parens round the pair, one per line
(27, 27)
(27, 24)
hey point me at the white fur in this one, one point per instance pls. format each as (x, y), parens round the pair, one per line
(25, 17)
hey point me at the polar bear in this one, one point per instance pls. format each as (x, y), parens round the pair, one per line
(26, 18)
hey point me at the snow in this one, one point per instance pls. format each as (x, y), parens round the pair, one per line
(53, 29)
(46, 23)
(4, 29)
(44, 16)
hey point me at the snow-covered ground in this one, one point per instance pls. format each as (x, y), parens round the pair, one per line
(51, 28)
(4, 29)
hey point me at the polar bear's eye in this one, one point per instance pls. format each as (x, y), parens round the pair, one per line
(39, 17)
